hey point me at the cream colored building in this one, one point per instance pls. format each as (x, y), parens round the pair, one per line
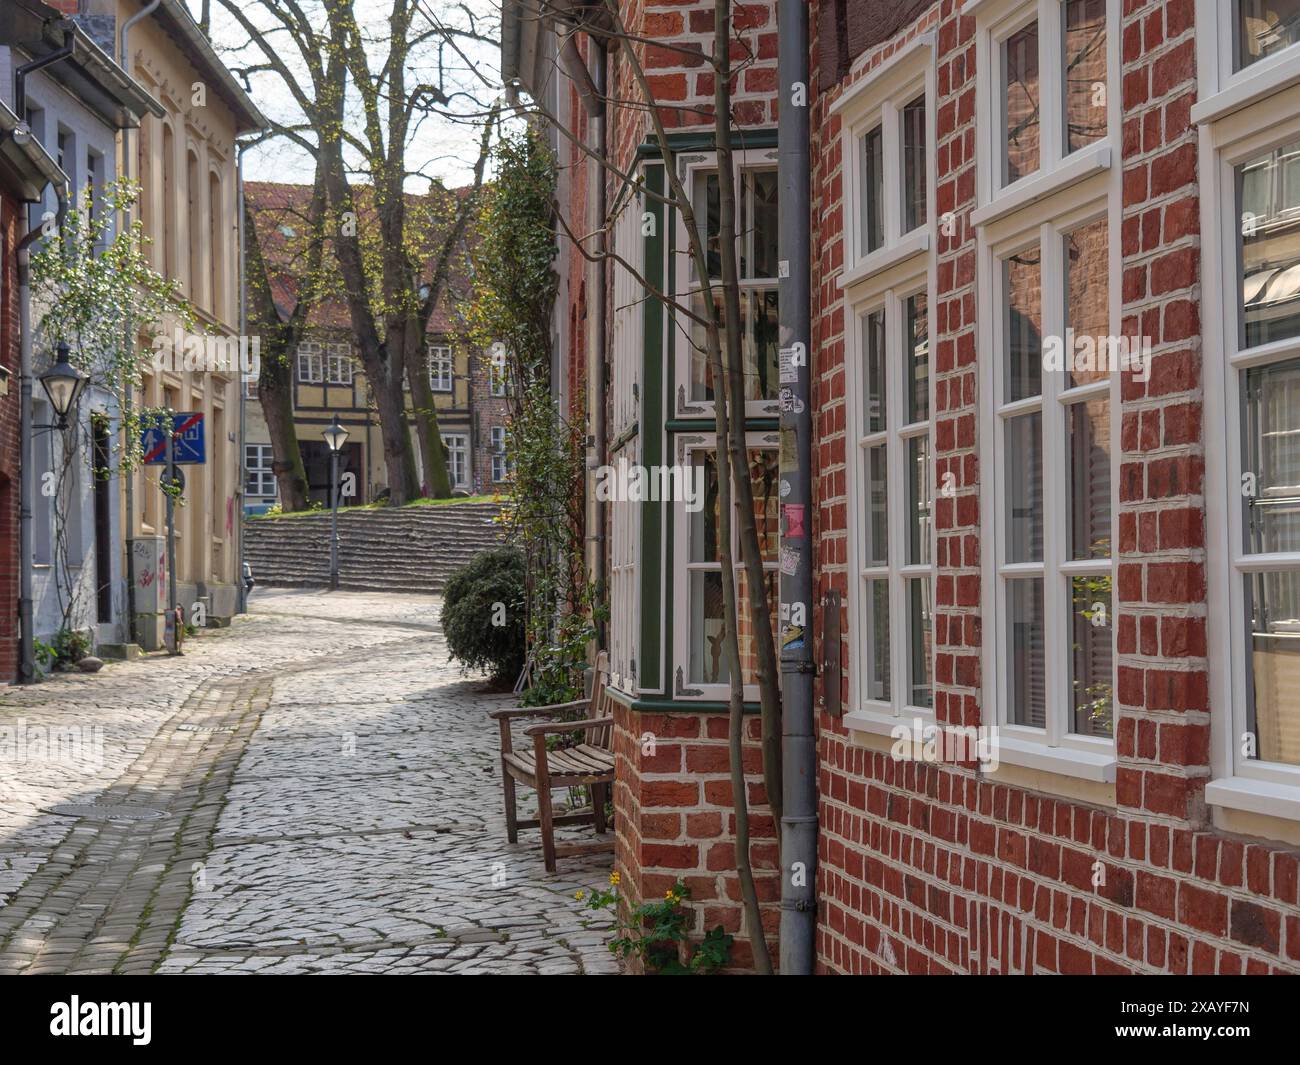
(186, 164)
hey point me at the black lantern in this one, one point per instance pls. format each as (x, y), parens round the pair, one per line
(63, 384)
(335, 436)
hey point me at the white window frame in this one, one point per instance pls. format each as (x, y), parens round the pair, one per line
(625, 587)
(996, 20)
(1254, 111)
(1063, 194)
(457, 444)
(250, 386)
(889, 295)
(878, 101)
(683, 687)
(338, 364)
(442, 361)
(628, 317)
(312, 359)
(263, 470)
(500, 466)
(683, 270)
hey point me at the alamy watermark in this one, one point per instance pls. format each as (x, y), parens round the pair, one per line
(1088, 353)
(625, 482)
(79, 746)
(926, 741)
(201, 353)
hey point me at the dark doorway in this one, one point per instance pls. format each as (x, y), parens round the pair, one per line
(316, 462)
(103, 520)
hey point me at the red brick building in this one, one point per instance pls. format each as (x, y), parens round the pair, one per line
(1056, 361)
(25, 170)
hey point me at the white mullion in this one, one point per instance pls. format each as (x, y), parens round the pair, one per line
(1084, 393)
(896, 463)
(1055, 494)
(1027, 405)
(1051, 85)
(1267, 562)
(892, 168)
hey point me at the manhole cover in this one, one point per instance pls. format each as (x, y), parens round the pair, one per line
(204, 728)
(95, 812)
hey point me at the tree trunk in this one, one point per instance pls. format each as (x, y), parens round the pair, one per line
(428, 438)
(751, 554)
(730, 426)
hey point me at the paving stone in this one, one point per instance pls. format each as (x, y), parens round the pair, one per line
(346, 823)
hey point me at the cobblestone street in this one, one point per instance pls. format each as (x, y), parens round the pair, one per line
(314, 789)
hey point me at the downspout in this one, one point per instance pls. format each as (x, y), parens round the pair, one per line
(27, 475)
(798, 742)
(26, 490)
(596, 387)
(128, 393)
(241, 592)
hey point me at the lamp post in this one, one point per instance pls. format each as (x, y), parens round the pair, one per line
(335, 437)
(63, 384)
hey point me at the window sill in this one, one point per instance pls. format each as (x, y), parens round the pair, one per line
(1254, 796)
(876, 723)
(1077, 167)
(1063, 761)
(883, 259)
(1249, 88)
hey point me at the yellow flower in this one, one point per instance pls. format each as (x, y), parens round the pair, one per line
(578, 895)
(613, 878)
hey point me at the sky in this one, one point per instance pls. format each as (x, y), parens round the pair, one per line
(440, 148)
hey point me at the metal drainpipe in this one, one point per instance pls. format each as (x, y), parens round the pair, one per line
(27, 472)
(128, 397)
(798, 743)
(596, 133)
(241, 593)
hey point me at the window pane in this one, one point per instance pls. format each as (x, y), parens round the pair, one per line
(873, 343)
(914, 164)
(1271, 424)
(1022, 278)
(1085, 73)
(765, 475)
(918, 500)
(1024, 477)
(877, 647)
(1265, 27)
(1087, 303)
(877, 553)
(1089, 457)
(758, 224)
(1273, 607)
(1091, 673)
(1020, 73)
(759, 344)
(873, 190)
(1026, 688)
(707, 628)
(708, 218)
(918, 637)
(704, 522)
(1270, 254)
(918, 357)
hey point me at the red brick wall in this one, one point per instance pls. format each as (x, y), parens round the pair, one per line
(928, 868)
(9, 461)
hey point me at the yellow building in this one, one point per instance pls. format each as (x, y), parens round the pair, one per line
(187, 166)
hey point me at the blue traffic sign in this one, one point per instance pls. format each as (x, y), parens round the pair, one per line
(187, 446)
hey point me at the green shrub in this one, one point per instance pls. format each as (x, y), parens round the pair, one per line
(483, 613)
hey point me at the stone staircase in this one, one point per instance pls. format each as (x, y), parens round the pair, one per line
(408, 549)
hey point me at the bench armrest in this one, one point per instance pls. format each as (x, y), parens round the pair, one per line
(509, 712)
(567, 726)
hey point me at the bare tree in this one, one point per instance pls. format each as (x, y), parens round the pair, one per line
(358, 104)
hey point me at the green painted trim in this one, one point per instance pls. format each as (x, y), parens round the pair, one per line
(676, 706)
(705, 141)
(707, 425)
(650, 655)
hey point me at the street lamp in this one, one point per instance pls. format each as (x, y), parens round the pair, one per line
(335, 437)
(63, 384)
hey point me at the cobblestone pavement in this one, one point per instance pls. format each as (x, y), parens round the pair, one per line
(312, 790)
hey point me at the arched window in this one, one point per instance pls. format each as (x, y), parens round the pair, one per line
(166, 230)
(194, 192)
(217, 258)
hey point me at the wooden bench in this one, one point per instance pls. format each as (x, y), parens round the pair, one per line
(590, 762)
